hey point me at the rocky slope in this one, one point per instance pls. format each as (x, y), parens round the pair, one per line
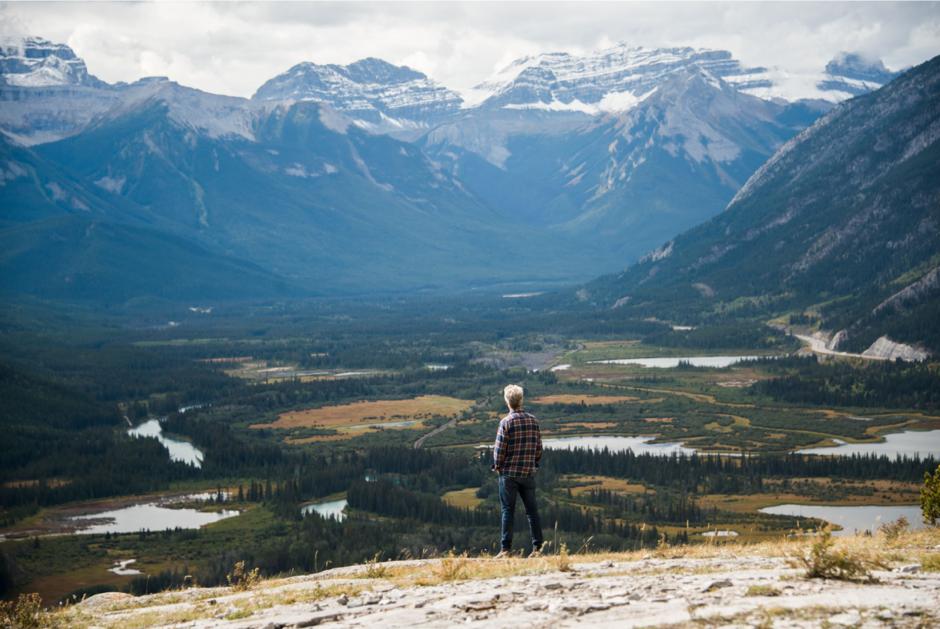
(842, 221)
(710, 586)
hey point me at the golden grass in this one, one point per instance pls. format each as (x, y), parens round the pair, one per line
(659, 420)
(886, 493)
(586, 484)
(588, 425)
(372, 412)
(584, 399)
(462, 498)
(340, 436)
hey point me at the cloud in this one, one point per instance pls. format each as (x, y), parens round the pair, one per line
(232, 48)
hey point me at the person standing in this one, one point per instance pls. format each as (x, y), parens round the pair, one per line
(516, 457)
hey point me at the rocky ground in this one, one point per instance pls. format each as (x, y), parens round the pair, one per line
(720, 586)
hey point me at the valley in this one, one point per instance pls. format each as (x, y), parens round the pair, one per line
(247, 338)
(303, 474)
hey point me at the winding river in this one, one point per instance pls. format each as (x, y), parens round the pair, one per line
(179, 450)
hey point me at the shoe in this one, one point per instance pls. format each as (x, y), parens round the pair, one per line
(503, 554)
(535, 553)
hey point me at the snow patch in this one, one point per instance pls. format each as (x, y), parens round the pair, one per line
(58, 194)
(12, 171)
(111, 184)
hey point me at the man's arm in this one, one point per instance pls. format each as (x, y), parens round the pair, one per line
(501, 449)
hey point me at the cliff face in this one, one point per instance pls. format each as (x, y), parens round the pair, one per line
(710, 585)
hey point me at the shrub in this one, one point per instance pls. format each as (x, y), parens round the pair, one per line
(825, 562)
(374, 569)
(242, 580)
(930, 496)
(893, 530)
(451, 567)
(563, 561)
(25, 612)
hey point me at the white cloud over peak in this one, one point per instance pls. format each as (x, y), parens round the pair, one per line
(232, 48)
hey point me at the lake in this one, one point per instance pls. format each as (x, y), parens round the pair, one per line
(852, 518)
(179, 450)
(332, 509)
(910, 443)
(671, 362)
(151, 516)
(639, 445)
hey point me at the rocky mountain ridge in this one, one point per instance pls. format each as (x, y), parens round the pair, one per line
(846, 214)
(341, 177)
(379, 96)
(738, 585)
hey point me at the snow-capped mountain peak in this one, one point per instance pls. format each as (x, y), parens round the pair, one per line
(609, 74)
(37, 62)
(380, 95)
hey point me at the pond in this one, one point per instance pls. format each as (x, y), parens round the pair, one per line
(671, 362)
(331, 509)
(179, 450)
(151, 516)
(852, 518)
(912, 443)
(639, 445)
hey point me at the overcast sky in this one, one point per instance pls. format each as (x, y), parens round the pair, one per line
(233, 48)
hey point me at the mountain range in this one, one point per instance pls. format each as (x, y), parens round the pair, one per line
(346, 179)
(840, 228)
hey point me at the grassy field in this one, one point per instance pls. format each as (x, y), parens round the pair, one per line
(371, 412)
(631, 348)
(582, 484)
(463, 498)
(587, 400)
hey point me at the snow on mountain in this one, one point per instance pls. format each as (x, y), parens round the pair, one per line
(561, 81)
(46, 92)
(37, 62)
(845, 76)
(380, 96)
(614, 79)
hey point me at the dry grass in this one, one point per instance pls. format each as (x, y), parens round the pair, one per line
(339, 436)
(586, 484)
(762, 590)
(463, 498)
(930, 562)
(182, 607)
(587, 400)
(568, 426)
(371, 412)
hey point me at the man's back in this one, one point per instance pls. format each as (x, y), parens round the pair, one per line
(518, 448)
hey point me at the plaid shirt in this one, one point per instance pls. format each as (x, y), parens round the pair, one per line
(518, 448)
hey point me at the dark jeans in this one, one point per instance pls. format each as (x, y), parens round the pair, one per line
(509, 487)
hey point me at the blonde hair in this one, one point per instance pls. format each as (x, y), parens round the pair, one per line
(513, 395)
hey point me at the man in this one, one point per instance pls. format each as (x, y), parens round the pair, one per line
(516, 457)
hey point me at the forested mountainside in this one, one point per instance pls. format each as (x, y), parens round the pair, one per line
(840, 225)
